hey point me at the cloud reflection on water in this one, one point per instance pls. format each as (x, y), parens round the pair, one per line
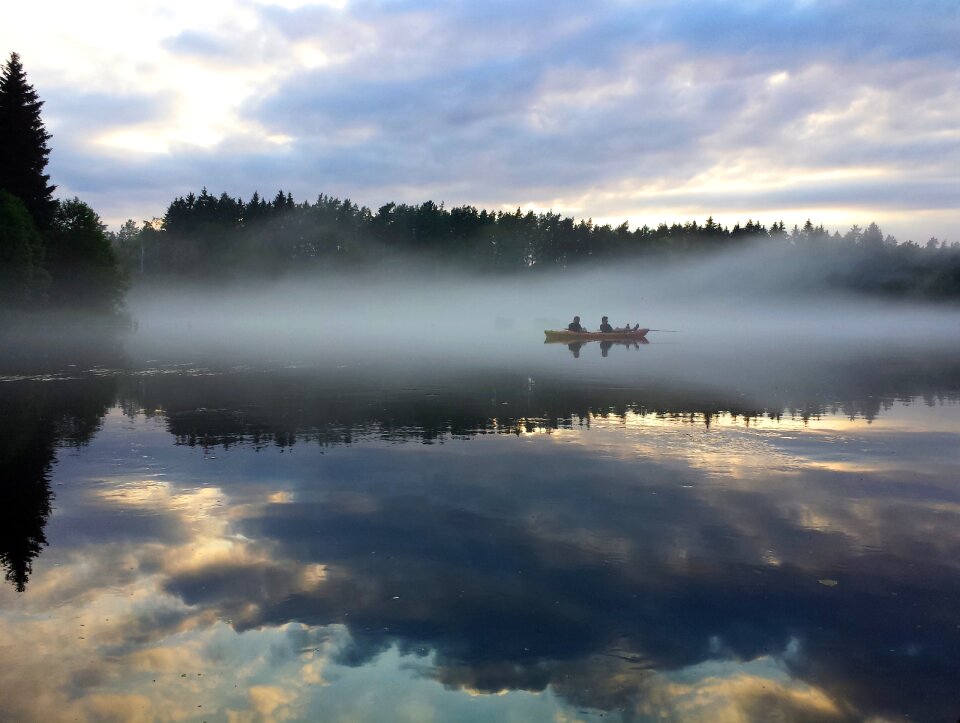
(636, 563)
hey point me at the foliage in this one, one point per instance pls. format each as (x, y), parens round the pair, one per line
(203, 236)
(52, 253)
(22, 276)
(82, 262)
(23, 143)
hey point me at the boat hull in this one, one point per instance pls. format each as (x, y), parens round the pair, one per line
(570, 336)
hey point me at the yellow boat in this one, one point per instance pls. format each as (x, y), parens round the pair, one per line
(571, 336)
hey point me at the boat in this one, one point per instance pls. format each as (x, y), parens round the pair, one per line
(571, 336)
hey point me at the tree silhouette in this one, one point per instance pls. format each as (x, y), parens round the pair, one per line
(22, 277)
(38, 420)
(23, 143)
(207, 237)
(27, 449)
(82, 262)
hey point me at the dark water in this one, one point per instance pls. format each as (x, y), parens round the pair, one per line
(684, 530)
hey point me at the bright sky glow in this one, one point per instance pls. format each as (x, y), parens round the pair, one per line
(648, 113)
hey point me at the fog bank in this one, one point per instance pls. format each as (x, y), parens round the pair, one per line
(745, 295)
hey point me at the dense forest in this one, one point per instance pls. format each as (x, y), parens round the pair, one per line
(57, 254)
(204, 236)
(54, 254)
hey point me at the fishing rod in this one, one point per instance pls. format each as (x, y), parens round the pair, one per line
(668, 331)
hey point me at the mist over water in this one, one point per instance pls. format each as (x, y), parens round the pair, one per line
(736, 332)
(287, 497)
(728, 322)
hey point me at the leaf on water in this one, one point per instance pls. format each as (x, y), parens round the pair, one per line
(828, 582)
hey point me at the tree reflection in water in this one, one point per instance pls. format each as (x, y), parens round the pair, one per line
(37, 418)
(655, 540)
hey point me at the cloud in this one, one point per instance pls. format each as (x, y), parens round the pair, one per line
(552, 121)
(571, 106)
(547, 597)
(204, 45)
(266, 699)
(75, 112)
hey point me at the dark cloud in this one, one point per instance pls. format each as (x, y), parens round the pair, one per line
(77, 112)
(203, 45)
(773, 30)
(91, 523)
(227, 48)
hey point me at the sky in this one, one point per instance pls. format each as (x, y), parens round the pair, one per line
(839, 111)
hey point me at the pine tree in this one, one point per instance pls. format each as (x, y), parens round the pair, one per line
(22, 276)
(23, 144)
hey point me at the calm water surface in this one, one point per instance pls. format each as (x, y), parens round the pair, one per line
(549, 535)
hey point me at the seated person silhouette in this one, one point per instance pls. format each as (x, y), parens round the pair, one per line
(605, 325)
(575, 325)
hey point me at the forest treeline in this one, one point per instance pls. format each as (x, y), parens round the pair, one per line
(57, 254)
(205, 236)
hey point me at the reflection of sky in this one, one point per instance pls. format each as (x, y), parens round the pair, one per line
(638, 566)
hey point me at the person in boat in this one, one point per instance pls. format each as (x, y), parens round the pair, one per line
(575, 325)
(605, 326)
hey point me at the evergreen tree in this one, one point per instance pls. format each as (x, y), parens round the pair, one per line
(23, 144)
(22, 276)
(872, 238)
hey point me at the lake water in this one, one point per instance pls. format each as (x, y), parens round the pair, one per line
(698, 528)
